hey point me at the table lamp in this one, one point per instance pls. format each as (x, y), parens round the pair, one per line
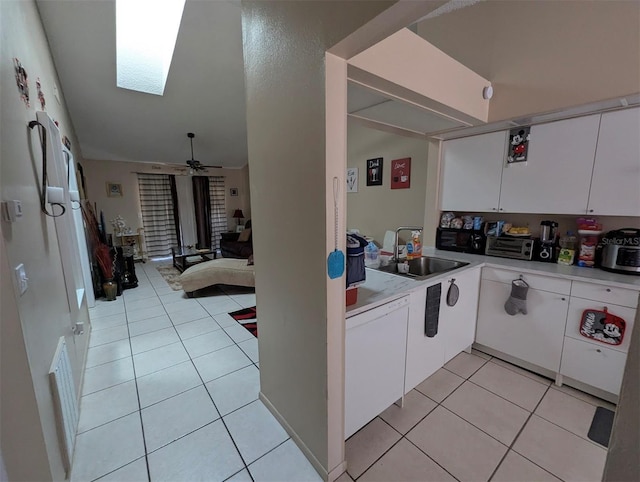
(238, 215)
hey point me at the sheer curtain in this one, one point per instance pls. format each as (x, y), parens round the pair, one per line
(218, 209)
(158, 213)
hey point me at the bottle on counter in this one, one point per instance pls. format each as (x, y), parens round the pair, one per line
(371, 255)
(417, 245)
(568, 246)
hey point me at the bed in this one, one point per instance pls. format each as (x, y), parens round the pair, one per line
(228, 271)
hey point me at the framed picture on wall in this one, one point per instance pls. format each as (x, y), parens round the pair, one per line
(233, 191)
(114, 189)
(401, 173)
(352, 179)
(374, 172)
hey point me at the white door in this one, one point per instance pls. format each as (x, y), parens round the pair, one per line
(375, 348)
(556, 177)
(425, 355)
(535, 337)
(615, 185)
(471, 172)
(458, 322)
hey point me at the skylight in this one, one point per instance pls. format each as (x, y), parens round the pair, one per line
(146, 33)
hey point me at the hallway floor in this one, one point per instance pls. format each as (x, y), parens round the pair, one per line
(171, 394)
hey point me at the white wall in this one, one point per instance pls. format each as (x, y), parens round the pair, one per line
(376, 209)
(33, 322)
(284, 51)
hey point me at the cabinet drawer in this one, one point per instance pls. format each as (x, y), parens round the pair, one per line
(597, 366)
(605, 294)
(577, 307)
(544, 283)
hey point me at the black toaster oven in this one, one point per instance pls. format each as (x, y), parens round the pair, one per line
(461, 240)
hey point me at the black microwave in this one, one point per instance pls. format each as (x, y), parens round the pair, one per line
(461, 240)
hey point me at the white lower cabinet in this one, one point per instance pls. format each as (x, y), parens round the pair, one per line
(458, 322)
(535, 337)
(425, 355)
(375, 349)
(595, 365)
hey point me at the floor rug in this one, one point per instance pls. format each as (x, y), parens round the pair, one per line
(247, 317)
(171, 275)
(601, 425)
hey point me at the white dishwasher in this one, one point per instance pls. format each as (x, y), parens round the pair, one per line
(375, 350)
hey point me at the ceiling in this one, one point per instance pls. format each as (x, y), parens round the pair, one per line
(204, 92)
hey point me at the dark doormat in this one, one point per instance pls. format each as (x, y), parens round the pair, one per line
(601, 426)
(247, 317)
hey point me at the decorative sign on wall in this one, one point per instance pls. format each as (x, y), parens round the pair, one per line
(352, 179)
(401, 173)
(374, 172)
(22, 81)
(518, 145)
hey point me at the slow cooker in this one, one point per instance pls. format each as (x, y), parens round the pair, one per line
(621, 251)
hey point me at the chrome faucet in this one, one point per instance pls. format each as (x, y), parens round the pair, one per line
(396, 254)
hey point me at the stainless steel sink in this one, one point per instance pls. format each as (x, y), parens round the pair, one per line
(424, 267)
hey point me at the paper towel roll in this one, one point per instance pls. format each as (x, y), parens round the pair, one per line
(55, 195)
(74, 195)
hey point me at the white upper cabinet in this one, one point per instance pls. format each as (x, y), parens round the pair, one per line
(615, 186)
(472, 169)
(556, 177)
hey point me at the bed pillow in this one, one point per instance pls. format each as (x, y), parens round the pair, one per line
(245, 235)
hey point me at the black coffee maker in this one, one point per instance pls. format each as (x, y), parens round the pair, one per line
(547, 249)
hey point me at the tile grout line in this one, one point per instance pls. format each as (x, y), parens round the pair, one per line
(515, 439)
(135, 377)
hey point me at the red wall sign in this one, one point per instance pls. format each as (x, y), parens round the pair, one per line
(401, 173)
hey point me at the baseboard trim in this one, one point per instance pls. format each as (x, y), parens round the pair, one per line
(298, 441)
(338, 471)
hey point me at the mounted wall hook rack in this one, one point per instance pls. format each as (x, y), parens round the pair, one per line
(43, 191)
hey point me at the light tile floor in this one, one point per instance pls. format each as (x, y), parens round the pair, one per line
(479, 419)
(171, 392)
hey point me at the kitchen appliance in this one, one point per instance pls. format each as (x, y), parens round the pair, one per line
(507, 247)
(461, 240)
(546, 248)
(621, 251)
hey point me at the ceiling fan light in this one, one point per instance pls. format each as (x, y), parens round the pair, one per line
(146, 33)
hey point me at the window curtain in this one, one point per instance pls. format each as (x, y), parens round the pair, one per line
(202, 207)
(158, 219)
(218, 209)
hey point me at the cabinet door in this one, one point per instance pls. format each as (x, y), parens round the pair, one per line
(375, 349)
(557, 175)
(535, 337)
(424, 355)
(471, 172)
(615, 185)
(458, 322)
(594, 365)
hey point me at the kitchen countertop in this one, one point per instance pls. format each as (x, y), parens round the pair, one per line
(381, 287)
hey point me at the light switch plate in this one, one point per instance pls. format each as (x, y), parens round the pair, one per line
(21, 278)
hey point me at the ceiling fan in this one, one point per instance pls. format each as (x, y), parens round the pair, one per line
(192, 163)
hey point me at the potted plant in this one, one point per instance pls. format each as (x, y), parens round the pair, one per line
(102, 254)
